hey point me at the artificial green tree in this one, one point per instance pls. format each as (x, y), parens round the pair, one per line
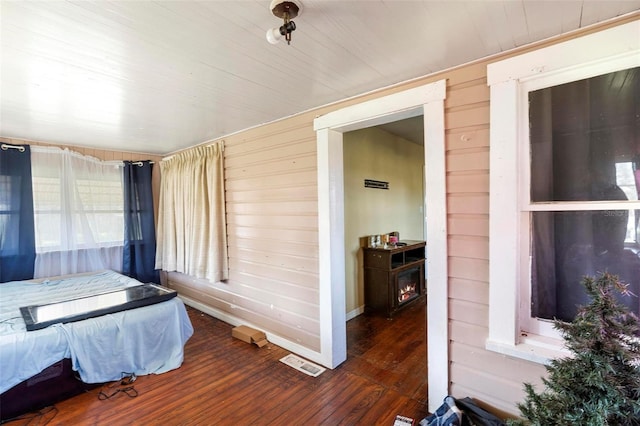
(599, 384)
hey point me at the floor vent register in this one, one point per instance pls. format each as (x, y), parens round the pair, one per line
(303, 365)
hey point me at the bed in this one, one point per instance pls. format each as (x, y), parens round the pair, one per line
(144, 340)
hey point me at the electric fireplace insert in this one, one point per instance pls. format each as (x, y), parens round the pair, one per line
(393, 276)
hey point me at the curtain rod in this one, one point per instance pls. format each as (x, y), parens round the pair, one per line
(204, 144)
(7, 146)
(52, 148)
(139, 163)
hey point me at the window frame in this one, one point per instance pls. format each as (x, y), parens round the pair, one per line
(510, 206)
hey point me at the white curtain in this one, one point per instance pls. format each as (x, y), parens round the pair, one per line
(78, 209)
(192, 236)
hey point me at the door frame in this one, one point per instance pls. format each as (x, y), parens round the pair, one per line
(428, 101)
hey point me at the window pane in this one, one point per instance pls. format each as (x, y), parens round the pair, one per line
(580, 133)
(89, 215)
(566, 246)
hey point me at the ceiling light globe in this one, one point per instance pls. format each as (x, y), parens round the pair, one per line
(273, 35)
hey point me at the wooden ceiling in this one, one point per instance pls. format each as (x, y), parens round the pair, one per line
(159, 76)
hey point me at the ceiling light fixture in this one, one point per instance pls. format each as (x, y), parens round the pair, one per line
(286, 10)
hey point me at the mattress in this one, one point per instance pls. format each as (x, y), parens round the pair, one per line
(146, 340)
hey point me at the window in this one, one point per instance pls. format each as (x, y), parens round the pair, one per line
(97, 207)
(583, 148)
(78, 212)
(565, 153)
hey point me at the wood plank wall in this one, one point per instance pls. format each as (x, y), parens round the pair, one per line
(494, 379)
(272, 228)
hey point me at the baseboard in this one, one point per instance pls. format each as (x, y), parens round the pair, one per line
(357, 311)
(275, 339)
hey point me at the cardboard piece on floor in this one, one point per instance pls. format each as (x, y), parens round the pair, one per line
(250, 335)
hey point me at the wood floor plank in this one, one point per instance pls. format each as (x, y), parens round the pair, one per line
(224, 381)
(352, 410)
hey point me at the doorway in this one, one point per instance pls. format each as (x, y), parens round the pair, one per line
(392, 153)
(429, 101)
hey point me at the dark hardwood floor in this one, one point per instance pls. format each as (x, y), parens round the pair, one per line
(224, 381)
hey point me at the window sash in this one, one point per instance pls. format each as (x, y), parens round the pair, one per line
(93, 196)
(527, 323)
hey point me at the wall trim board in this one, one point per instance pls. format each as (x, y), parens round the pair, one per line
(354, 313)
(426, 100)
(235, 321)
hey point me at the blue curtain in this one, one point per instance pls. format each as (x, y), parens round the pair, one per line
(139, 255)
(17, 237)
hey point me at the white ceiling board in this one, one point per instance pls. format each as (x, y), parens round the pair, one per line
(593, 11)
(159, 76)
(411, 129)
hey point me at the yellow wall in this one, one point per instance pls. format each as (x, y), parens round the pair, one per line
(375, 154)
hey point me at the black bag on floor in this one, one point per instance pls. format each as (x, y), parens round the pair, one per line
(472, 415)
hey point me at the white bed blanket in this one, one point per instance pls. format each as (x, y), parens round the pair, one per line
(142, 341)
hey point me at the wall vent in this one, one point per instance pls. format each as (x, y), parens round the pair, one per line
(376, 184)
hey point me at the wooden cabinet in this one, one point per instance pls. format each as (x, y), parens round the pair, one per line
(393, 277)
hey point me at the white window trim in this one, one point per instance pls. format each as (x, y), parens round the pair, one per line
(510, 81)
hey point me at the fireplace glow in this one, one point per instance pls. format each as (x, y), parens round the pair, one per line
(407, 292)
